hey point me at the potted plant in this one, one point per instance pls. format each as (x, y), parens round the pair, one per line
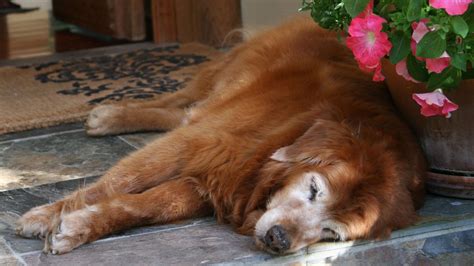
(424, 50)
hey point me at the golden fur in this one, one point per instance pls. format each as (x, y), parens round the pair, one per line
(285, 139)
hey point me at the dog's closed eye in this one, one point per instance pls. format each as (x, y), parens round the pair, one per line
(330, 234)
(314, 190)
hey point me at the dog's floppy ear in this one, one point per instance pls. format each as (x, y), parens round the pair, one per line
(315, 146)
(287, 155)
(281, 155)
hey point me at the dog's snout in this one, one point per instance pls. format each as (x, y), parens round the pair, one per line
(277, 239)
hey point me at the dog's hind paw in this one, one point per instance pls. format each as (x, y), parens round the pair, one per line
(73, 231)
(104, 120)
(37, 223)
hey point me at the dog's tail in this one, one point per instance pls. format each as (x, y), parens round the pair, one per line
(234, 37)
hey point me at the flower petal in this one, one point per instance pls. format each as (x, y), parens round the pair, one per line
(378, 76)
(448, 108)
(452, 7)
(437, 65)
(434, 103)
(368, 43)
(402, 70)
(419, 30)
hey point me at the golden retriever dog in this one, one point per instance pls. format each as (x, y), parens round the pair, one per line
(283, 138)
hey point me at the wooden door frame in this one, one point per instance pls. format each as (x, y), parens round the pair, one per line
(204, 21)
(121, 19)
(4, 40)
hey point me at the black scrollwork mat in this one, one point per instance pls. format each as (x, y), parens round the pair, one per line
(51, 93)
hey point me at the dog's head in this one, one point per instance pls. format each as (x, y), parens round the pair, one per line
(333, 185)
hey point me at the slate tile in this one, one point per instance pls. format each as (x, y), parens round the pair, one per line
(21, 200)
(430, 251)
(24, 245)
(450, 243)
(139, 140)
(58, 157)
(4, 250)
(454, 259)
(201, 240)
(206, 244)
(165, 227)
(7, 231)
(9, 261)
(407, 253)
(41, 132)
(444, 206)
(7, 258)
(387, 256)
(439, 213)
(263, 258)
(7, 220)
(16, 202)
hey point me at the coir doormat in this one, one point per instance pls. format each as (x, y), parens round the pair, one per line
(51, 93)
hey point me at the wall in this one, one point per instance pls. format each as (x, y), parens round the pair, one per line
(42, 4)
(261, 14)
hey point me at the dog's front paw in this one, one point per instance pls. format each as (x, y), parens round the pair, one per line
(105, 120)
(38, 222)
(73, 231)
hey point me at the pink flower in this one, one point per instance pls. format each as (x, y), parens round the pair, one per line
(377, 69)
(419, 30)
(378, 76)
(368, 43)
(434, 103)
(436, 65)
(452, 7)
(402, 70)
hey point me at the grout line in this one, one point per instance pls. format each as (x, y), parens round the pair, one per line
(42, 136)
(317, 256)
(13, 253)
(127, 142)
(27, 188)
(30, 252)
(308, 255)
(393, 241)
(197, 223)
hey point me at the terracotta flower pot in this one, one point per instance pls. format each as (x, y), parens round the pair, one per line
(448, 143)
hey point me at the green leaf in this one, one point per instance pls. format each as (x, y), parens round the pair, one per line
(355, 7)
(449, 78)
(469, 18)
(400, 4)
(400, 48)
(414, 9)
(460, 26)
(417, 69)
(431, 46)
(459, 61)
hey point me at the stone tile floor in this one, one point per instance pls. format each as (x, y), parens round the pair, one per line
(40, 166)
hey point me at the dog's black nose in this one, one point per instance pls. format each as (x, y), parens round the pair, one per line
(277, 239)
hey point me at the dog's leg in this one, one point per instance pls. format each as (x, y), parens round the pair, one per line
(111, 119)
(138, 172)
(171, 201)
(165, 113)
